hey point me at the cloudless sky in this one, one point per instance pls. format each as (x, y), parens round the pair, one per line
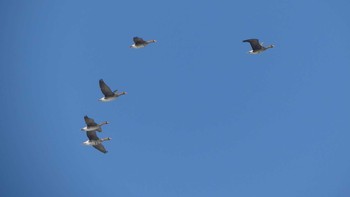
(202, 117)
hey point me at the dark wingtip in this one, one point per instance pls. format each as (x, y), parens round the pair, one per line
(248, 40)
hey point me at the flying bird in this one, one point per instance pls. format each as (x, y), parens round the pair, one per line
(256, 46)
(108, 94)
(91, 125)
(140, 43)
(95, 141)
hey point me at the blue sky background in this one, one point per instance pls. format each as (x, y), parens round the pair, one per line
(201, 118)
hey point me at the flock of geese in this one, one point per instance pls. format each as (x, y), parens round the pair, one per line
(109, 95)
(92, 126)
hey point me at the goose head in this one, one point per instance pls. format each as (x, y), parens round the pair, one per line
(103, 123)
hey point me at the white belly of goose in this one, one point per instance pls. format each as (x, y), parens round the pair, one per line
(104, 99)
(90, 128)
(255, 52)
(92, 142)
(137, 46)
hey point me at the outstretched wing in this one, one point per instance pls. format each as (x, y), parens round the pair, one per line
(105, 89)
(138, 41)
(89, 121)
(254, 43)
(101, 148)
(92, 135)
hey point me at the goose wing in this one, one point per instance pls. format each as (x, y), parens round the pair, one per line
(92, 135)
(138, 41)
(105, 89)
(254, 43)
(101, 148)
(89, 121)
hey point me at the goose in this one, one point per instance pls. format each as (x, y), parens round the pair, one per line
(95, 141)
(140, 43)
(108, 94)
(256, 46)
(92, 126)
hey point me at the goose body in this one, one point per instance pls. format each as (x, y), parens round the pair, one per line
(95, 141)
(91, 125)
(109, 95)
(256, 46)
(140, 43)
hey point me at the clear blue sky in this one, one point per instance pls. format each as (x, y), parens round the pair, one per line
(202, 117)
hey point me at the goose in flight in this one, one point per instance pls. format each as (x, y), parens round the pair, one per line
(108, 94)
(91, 125)
(256, 46)
(140, 43)
(95, 141)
